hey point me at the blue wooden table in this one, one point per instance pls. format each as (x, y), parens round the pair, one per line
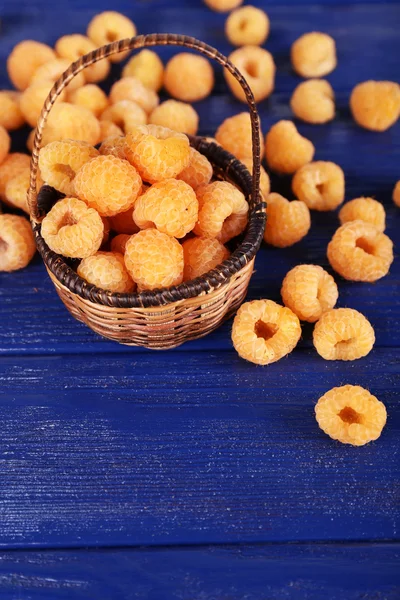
(191, 474)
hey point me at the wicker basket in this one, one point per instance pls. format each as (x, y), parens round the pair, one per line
(161, 318)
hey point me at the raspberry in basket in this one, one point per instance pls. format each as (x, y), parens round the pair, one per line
(125, 114)
(314, 54)
(25, 58)
(118, 244)
(17, 245)
(108, 129)
(287, 222)
(188, 77)
(285, 149)
(358, 251)
(114, 145)
(202, 255)
(123, 222)
(53, 70)
(90, 96)
(265, 184)
(263, 331)
(365, 209)
(130, 88)
(72, 47)
(234, 134)
(111, 26)
(198, 172)
(108, 184)
(258, 68)
(320, 185)
(11, 116)
(13, 165)
(107, 271)
(147, 67)
(309, 291)
(376, 104)
(313, 101)
(247, 25)
(223, 5)
(154, 259)
(71, 122)
(351, 415)
(176, 115)
(5, 143)
(170, 205)
(33, 98)
(396, 194)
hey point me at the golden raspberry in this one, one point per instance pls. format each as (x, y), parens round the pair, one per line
(73, 47)
(13, 165)
(90, 96)
(287, 222)
(118, 244)
(234, 134)
(285, 149)
(108, 130)
(396, 194)
(376, 104)
(314, 54)
(114, 145)
(320, 185)
(258, 68)
(265, 184)
(358, 251)
(223, 5)
(111, 26)
(351, 415)
(309, 291)
(343, 334)
(202, 255)
(198, 172)
(107, 271)
(154, 259)
(11, 116)
(33, 98)
(73, 229)
(52, 71)
(71, 122)
(24, 59)
(16, 190)
(130, 88)
(108, 184)
(364, 209)
(125, 114)
(223, 211)
(188, 77)
(313, 101)
(263, 331)
(123, 222)
(5, 143)
(247, 25)
(59, 163)
(176, 115)
(17, 245)
(157, 152)
(147, 67)
(170, 205)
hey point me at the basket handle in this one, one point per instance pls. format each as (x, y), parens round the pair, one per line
(141, 41)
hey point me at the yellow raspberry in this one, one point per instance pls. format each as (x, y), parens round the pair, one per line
(223, 211)
(364, 209)
(59, 163)
(343, 334)
(17, 189)
(114, 145)
(287, 222)
(170, 205)
(358, 251)
(202, 255)
(52, 71)
(111, 26)
(234, 134)
(188, 77)
(109, 130)
(376, 104)
(157, 152)
(130, 88)
(258, 68)
(351, 415)
(320, 185)
(285, 149)
(73, 47)
(314, 54)
(25, 58)
(71, 122)
(199, 170)
(125, 114)
(309, 291)
(313, 101)
(17, 245)
(147, 67)
(107, 271)
(118, 244)
(123, 222)
(154, 259)
(176, 115)
(265, 184)
(73, 229)
(263, 331)
(247, 25)
(13, 165)
(11, 116)
(396, 194)
(223, 5)
(33, 99)
(90, 96)
(5, 143)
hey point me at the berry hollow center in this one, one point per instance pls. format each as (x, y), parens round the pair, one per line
(365, 245)
(67, 220)
(252, 68)
(350, 416)
(344, 344)
(265, 330)
(111, 36)
(3, 246)
(65, 170)
(243, 25)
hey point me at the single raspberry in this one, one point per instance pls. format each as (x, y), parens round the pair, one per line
(285, 149)
(265, 184)
(147, 67)
(109, 130)
(202, 255)
(107, 271)
(33, 99)
(176, 115)
(234, 134)
(108, 184)
(53, 70)
(17, 245)
(130, 88)
(351, 415)
(73, 47)
(376, 104)
(110, 26)
(125, 114)
(343, 334)
(13, 165)
(123, 222)
(263, 331)
(223, 5)
(114, 145)
(358, 251)
(396, 194)
(223, 211)
(188, 77)
(5, 143)
(364, 209)
(24, 59)
(118, 244)
(309, 291)
(154, 259)
(320, 185)
(247, 25)
(287, 222)
(16, 190)
(11, 116)
(314, 54)
(157, 152)
(170, 205)
(258, 68)
(90, 96)
(313, 101)
(73, 229)
(199, 170)
(71, 122)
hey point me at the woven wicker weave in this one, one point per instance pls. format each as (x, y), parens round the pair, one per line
(161, 318)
